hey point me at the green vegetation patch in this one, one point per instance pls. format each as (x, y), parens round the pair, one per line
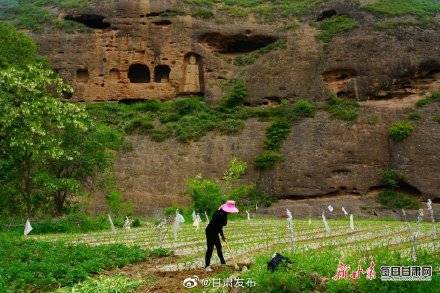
(119, 284)
(277, 133)
(27, 265)
(191, 118)
(433, 98)
(343, 109)
(401, 130)
(279, 130)
(399, 7)
(267, 160)
(267, 9)
(313, 272)
(38, 14)
(391, 178)
(331, 27)
(396, 200)
(16, 47)
(436, 118)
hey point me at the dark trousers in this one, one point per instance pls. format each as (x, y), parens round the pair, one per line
(213, 239)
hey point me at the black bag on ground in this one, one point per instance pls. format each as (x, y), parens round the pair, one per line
(276, 261)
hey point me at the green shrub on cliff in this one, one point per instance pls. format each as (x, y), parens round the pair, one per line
(436, 118)
(16, 48)
(391, 178)
(433, 98)
(303, 109)
(396, 200)
(335, 25)
(267, 160)
(277, 133)
(38, 14)
(343, 109)
(236, 93)
(400, 130)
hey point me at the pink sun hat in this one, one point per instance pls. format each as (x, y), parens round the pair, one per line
(229, 207)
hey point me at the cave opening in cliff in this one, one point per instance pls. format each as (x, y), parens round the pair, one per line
(163, 22)
(139, 73)
(429, 70)
(94, 21)
(82, 75)
(162, 74)
(238, 43)
(338, 74)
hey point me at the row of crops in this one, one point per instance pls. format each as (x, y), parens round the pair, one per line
(249, 238)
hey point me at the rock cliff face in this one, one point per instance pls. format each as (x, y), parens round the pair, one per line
(324, 157)
(153, 49)
(141, 50)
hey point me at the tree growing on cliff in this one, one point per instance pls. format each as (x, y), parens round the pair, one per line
(47, 146)
(15, 47)
(207, 194)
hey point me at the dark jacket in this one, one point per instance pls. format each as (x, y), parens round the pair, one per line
(218, 221)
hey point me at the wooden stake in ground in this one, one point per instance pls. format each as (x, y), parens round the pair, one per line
(236, 267)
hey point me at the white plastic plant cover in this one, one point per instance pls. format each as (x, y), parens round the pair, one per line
(27, 227)
(290, 230)
(344, 211)
(248, 216)
(127, 224)
(178, 220)
(330, 208)
(112, 226)
(326, 226)
(429, 204)
(431, 214)
(351, 222)
(196, 222)
(289, 214)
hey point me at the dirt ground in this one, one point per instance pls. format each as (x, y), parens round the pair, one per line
(169, 282)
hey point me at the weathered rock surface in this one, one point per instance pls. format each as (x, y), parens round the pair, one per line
(147, 49)
(364, 63)
(323, 157)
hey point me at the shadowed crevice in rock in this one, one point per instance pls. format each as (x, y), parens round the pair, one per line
(414, 80)
(326, 14)
(94, 21)
(162, 22)
(237, 43)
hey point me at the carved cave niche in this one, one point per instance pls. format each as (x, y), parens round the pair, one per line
(93, 21)
(235, 44)
(82, 75)
(114, 74)
(139, 73)
(339, 81)
(193, 81)
(162, 74)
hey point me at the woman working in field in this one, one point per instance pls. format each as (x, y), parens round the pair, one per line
(215, 229)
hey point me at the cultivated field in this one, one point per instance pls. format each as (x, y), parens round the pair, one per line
(248, 238)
